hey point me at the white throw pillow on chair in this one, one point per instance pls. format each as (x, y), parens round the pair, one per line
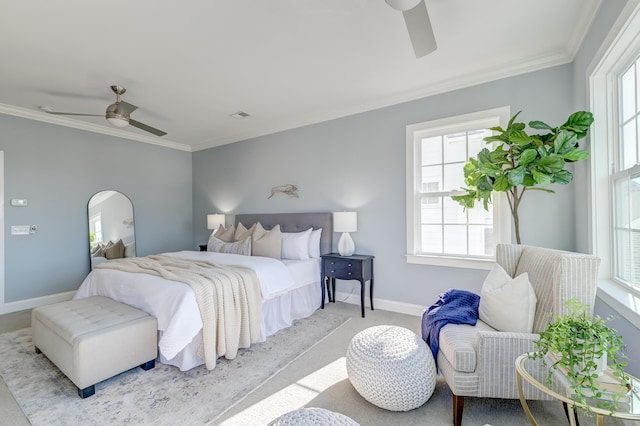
(507, 304)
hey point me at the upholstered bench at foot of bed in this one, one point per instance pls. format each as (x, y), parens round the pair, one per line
(94, 338)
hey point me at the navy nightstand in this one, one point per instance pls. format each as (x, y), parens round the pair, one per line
(355, 267)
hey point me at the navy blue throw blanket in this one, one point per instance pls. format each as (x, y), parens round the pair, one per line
(453, 307)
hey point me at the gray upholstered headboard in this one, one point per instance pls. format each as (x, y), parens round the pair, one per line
(294, 222)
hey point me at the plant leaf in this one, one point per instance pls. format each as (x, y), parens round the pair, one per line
(579, 122)
(527, 156)
(550, 164)
(528, 180)
(539, 125)
(541, 178)
(576, 155)
(501, 184)
(513, 119)
(485, 184)
(563, 177)
(565, 142)
(519, 137)
(516, 176)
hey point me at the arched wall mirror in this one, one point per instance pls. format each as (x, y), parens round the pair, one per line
(111, 227)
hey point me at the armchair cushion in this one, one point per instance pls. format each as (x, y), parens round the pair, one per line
(458, 344)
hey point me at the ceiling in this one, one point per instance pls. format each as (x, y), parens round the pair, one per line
(189, 65)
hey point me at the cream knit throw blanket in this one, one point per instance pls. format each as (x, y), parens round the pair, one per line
(229, 299)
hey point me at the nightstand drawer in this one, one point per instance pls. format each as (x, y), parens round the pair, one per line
(343, 270)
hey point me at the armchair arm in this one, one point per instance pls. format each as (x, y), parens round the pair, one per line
(497, 352)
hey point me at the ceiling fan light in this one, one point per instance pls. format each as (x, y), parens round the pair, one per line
(403, 5)
(118, 121)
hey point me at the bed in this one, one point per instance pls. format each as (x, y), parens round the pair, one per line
(290, 289)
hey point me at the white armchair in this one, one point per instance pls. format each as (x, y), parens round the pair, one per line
(479, 361)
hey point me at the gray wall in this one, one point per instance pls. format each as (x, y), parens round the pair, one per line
(58, 169)
(358, 162)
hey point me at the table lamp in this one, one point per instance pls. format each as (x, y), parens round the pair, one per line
(345, 222)
(214, 221)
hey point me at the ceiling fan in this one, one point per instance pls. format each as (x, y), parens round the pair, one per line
(118, 114)
(416, 18)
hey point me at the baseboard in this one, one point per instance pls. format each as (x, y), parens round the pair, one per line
(387, 305)
(35, 302)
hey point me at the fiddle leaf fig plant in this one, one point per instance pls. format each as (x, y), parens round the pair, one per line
(574, 343)
(521, 161)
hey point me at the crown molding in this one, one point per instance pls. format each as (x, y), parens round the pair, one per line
(89, 127)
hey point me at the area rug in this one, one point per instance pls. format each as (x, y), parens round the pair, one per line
(161, 396)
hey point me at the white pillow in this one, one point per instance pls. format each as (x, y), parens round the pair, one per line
(295, 245)
(314, 243)
(507, 304)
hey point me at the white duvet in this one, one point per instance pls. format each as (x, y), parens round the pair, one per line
(174, 303)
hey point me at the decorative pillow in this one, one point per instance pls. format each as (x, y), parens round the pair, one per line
(238, 247)
(115, 250)
(266, 243)
(242, 232)
(225, 234)
(295, 245)
(507, 304)
(98, 250)
(314, 243)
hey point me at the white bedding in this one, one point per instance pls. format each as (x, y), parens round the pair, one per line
(174, 303)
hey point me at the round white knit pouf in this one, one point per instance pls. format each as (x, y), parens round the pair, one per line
(313, 416)
(391, 367)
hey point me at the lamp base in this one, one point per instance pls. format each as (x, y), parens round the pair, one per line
(346, 247)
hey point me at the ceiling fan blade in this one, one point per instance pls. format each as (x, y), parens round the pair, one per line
(74, 113)
(420, 30)
(146, 128)
(125, 108)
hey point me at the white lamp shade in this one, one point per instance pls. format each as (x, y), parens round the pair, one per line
(215, 220)
(345, 222)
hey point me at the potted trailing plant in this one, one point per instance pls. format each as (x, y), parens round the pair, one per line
(522, 162)
(572, 346)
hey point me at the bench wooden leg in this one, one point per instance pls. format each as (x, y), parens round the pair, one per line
(458, 405)
(148, 365)
(87, 392)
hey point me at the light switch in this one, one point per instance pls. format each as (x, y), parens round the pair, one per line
(19, 202)
(20, 229)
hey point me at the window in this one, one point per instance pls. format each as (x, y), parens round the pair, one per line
(614, 97)
(439, 230)
(95, 229)
(626, 181)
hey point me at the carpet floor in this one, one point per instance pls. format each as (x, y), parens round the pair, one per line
(161, 396)
(260, 385)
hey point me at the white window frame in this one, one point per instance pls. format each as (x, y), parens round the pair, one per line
(501, 214)
(618, 51)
